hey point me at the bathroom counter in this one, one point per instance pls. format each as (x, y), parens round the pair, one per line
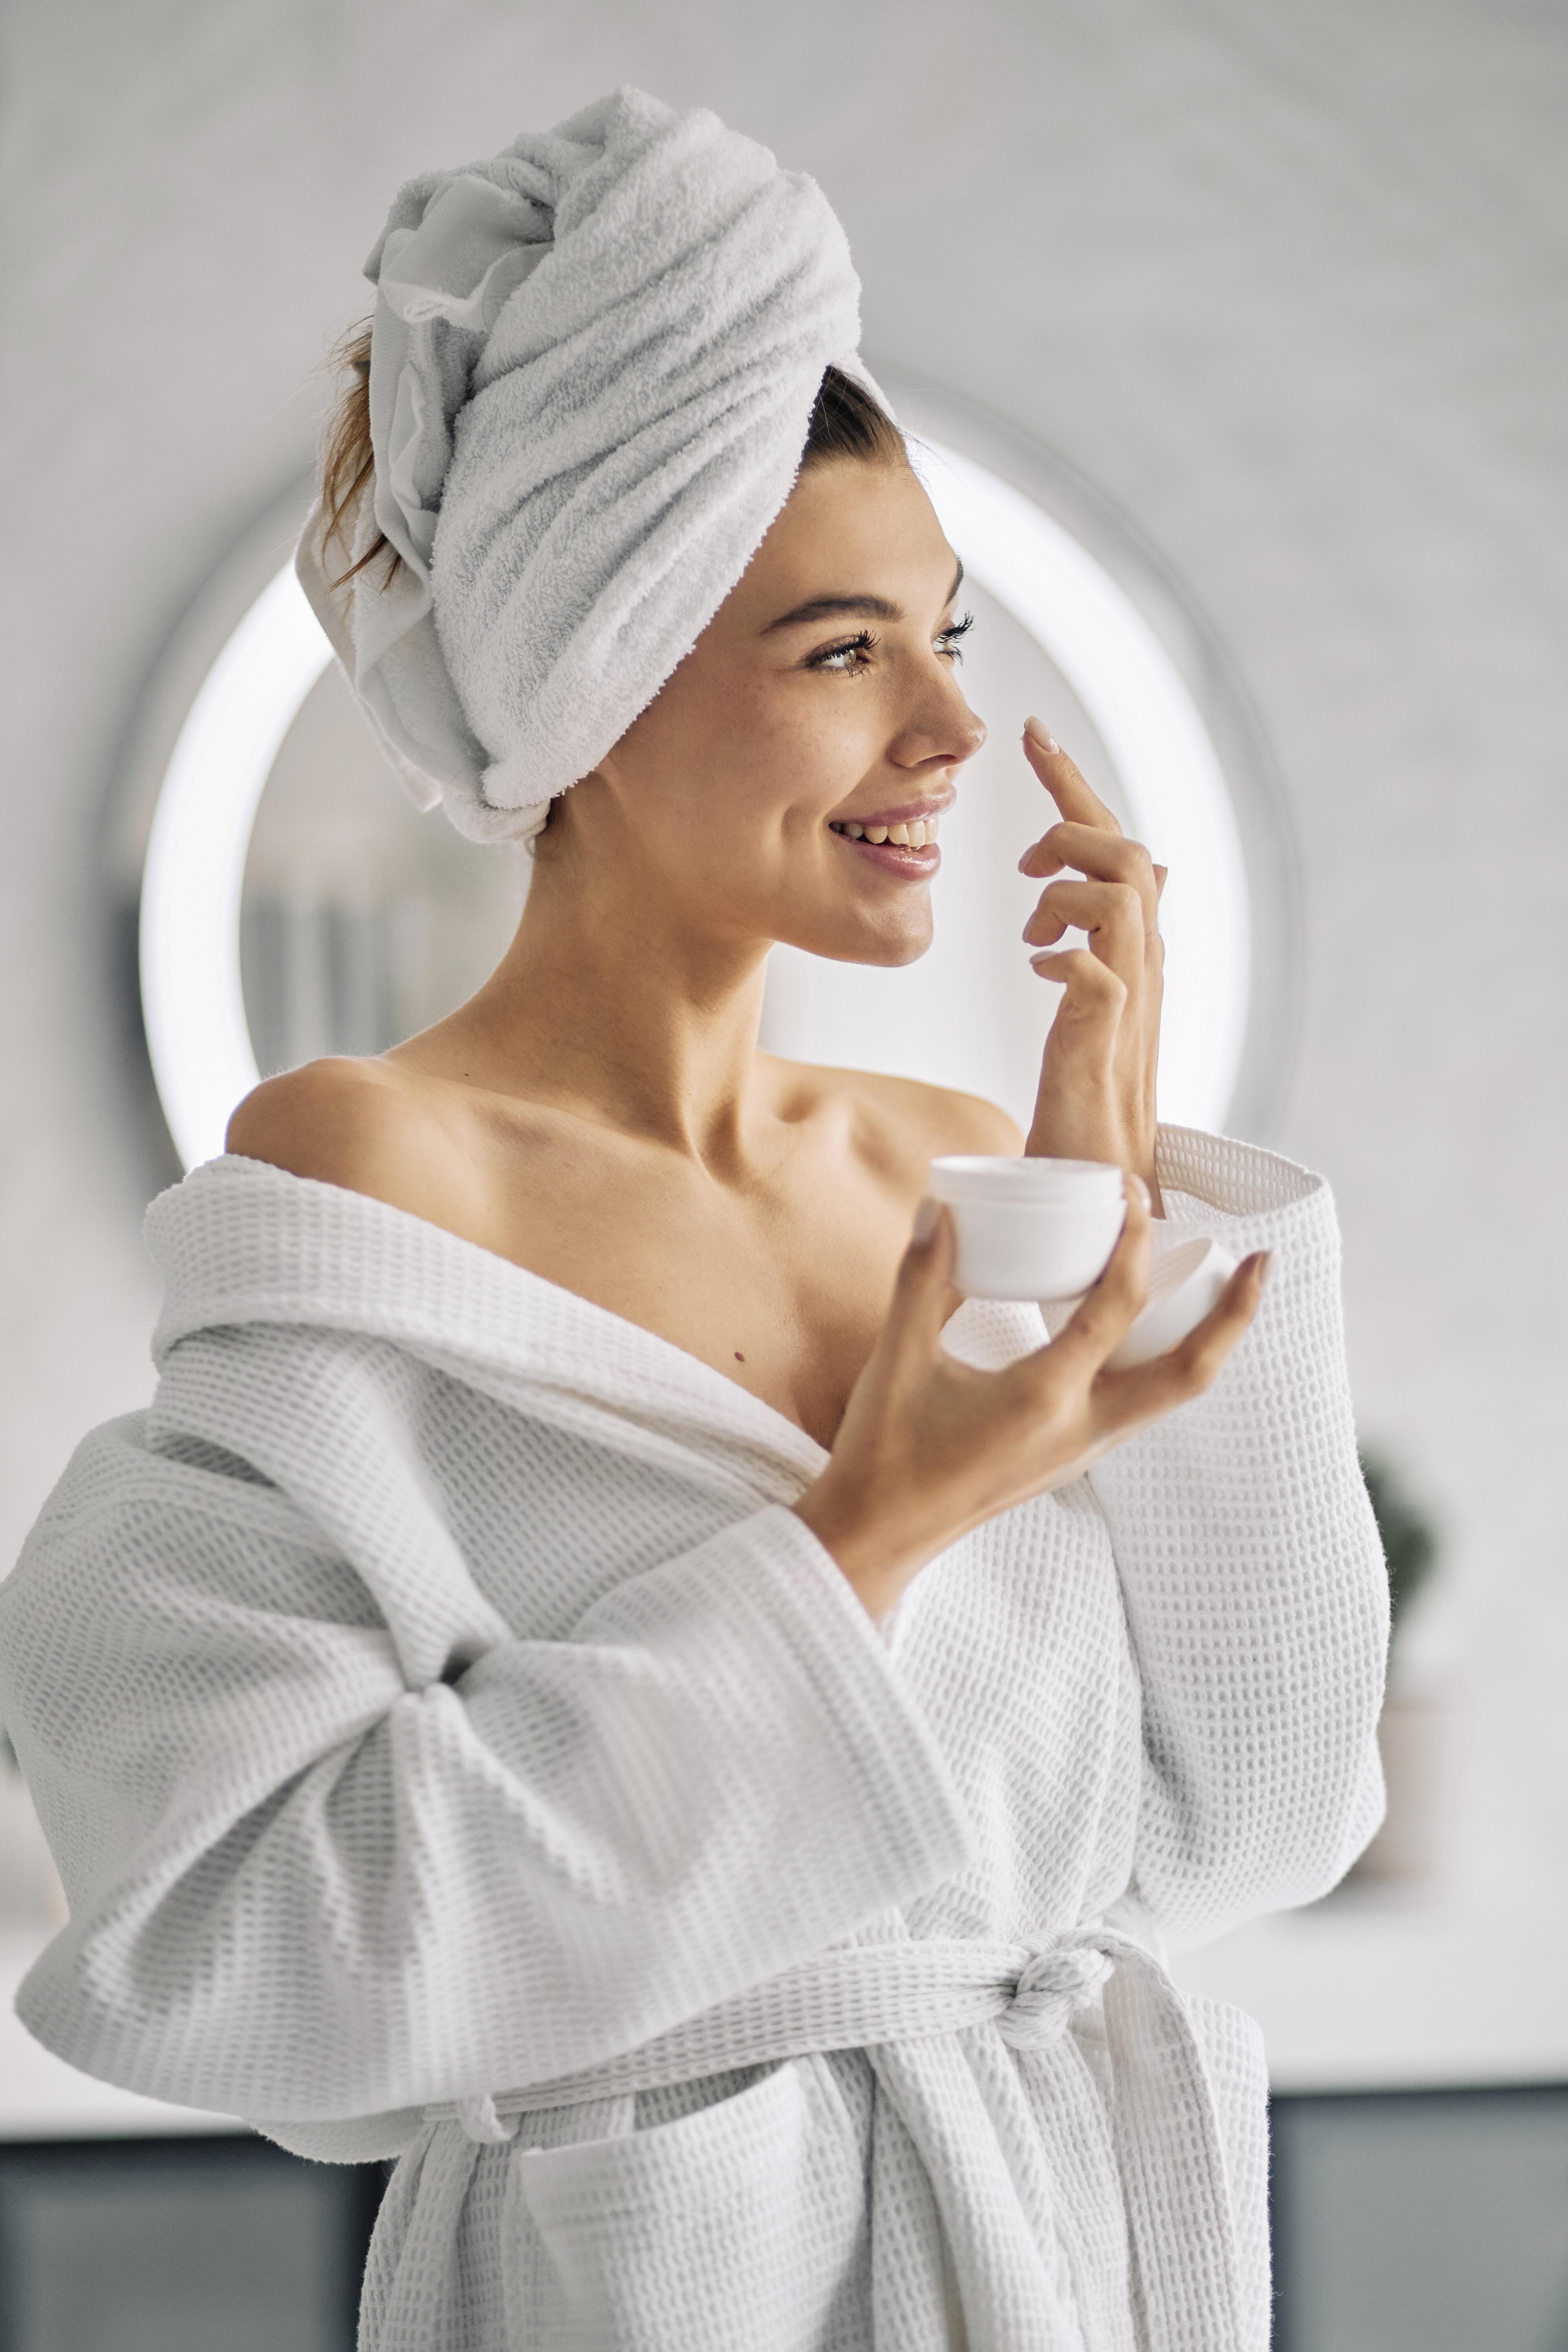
(1378, 1987)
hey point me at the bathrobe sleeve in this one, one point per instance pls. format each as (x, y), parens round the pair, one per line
(336, 1843)
(1252, 1577)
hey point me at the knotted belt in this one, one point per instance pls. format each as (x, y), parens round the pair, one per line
(863, 1995)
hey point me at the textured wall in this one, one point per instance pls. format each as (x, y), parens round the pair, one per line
(1288, 281)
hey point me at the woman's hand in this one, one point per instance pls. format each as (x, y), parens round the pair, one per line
(929, 1447)
(1096, 1099)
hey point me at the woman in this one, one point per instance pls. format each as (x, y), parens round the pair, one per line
(592, 1677)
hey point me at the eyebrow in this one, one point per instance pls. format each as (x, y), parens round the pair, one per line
(862, 608)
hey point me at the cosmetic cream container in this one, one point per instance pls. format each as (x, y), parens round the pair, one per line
(1043, 1229)
(1030, 1228)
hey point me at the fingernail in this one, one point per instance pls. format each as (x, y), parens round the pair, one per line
(1265, 1263)
(1137, 1190)
(926, 1216)
(1042, 734)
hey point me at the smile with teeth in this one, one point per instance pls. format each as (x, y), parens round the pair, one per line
(915, 834)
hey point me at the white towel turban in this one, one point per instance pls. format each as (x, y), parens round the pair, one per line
(592, 365)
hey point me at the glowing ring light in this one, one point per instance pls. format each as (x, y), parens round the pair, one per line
(193, 879)
(192, 1002)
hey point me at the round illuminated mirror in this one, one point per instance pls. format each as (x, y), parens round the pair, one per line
(292, 903)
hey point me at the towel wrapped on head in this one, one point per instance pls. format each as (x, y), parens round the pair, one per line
(593, 361)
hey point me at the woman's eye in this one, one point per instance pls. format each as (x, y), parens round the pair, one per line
(949, 642)
(846, 659)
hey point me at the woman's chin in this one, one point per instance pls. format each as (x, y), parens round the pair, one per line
(884, 944)
(908, 950)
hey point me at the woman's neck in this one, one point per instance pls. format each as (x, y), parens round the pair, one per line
(621, 1009)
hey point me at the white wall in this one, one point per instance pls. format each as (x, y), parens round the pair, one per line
(1286, 281)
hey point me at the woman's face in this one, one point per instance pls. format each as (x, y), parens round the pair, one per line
(823, 696)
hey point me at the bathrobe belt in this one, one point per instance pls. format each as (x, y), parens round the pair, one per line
(859, 1996)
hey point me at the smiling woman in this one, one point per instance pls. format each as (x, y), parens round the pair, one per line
(710, 829)
(359, 923)
(824, 725)
(599, 1676)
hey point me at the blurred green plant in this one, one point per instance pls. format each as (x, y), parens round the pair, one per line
(1409, 1538)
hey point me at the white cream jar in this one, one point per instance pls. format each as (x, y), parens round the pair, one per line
(1030, 1228)
(1043, 1229)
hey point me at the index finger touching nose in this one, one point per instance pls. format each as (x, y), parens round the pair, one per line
(1062, 780)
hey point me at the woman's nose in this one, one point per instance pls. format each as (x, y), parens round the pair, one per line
(945, 729)
(972, 727)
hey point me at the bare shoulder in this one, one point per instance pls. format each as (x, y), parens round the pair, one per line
(959, 1122)
(906, 1119)
(364, 1125)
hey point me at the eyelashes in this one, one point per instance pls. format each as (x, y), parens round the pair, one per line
(848, 656)
(844, 658)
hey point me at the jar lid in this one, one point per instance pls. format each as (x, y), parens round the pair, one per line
(1022, 1182)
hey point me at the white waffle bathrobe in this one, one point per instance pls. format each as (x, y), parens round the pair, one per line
(453, 1746)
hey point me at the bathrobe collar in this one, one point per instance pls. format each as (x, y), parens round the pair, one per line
(241, 1242)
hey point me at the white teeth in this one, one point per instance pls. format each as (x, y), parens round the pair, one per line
(915, 832)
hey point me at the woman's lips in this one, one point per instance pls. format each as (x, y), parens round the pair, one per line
(901, 840)
(911, 864)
